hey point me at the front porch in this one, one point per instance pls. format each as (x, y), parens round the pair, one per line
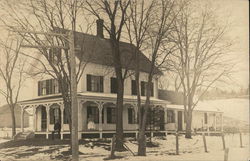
(101, 110)
(161, 119)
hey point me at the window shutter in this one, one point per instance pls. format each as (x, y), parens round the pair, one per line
(59, 88)
(133, 87)
(101, 83)
(142, 88)
(65, 120)
(39, 88)
(108, 115)
(51, 116)
(51, 86)
(47, 86)
(64, 117)
(60, 119)
(130, 116)
(152, 89)
(102, 115)
(88, 82)
(113, 85)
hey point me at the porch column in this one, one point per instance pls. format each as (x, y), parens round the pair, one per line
(221, 122)
(62, 115)
(165, 120)
(176, 119)
(215, 122)
(22, 111)
(80, 119)
(48, 117)
(34, 117)
(100, 107)
(208, 120)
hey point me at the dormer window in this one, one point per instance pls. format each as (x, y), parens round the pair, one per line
(94, 83)
(54, 54)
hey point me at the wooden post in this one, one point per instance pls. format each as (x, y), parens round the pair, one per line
(226, 154)
(223, 141)
(241, 140)
(177, 143)
(112, 151)
(204, 141)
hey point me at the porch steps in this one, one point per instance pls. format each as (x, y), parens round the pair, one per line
(24, 135)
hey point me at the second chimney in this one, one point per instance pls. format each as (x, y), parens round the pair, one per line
(99, 28)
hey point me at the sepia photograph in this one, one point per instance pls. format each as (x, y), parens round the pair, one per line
(134, 80)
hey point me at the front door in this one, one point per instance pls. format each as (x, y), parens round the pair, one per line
(179, 120)
(43, 119)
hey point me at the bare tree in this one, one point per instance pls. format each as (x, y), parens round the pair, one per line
(114, 15)
(12, 74)
(200, 60)
(46, 25)
(148, 26)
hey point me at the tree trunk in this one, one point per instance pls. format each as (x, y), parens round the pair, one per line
(189, 124)
(13, 119)
(119, 118)
(142, 143)
(141, 139)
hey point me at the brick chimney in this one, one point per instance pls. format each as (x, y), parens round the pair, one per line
(99, 28)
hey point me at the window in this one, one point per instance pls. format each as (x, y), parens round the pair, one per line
(133, 87)
(94, 83)
(131, 116)
(113, 85)
(93, 112)
(54, 54)
(144, 88)
(49, 86)
(43, 87)
(111, 115)
(55, 87)
(55, 115)
(65, 120)
(170, 116)
(205, 118)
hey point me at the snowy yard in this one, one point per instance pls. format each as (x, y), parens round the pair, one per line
(190, 149)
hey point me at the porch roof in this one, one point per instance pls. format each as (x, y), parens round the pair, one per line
(127, 98)
(91, 96)
(199, 107)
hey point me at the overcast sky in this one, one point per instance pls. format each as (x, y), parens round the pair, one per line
(238, 13)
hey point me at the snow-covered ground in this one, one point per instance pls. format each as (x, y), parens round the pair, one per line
(190, 149)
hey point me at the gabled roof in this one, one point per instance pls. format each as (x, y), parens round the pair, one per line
(98, 50)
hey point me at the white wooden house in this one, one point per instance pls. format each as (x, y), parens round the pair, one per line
(97, 95)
